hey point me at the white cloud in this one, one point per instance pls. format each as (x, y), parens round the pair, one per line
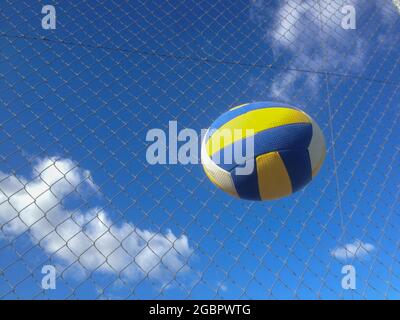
(287, 82)
(295, 29)
(88, 239)
(397, 4)
(357, 249)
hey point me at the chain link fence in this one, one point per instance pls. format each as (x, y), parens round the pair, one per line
(84, 215)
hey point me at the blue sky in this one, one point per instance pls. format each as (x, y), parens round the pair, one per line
(88, 93)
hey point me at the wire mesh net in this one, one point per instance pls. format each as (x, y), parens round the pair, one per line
(78, 196)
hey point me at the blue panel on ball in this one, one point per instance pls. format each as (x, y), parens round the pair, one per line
(247, 185)
(298, 166)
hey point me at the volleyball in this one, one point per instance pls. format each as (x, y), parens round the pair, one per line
(287, 150)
